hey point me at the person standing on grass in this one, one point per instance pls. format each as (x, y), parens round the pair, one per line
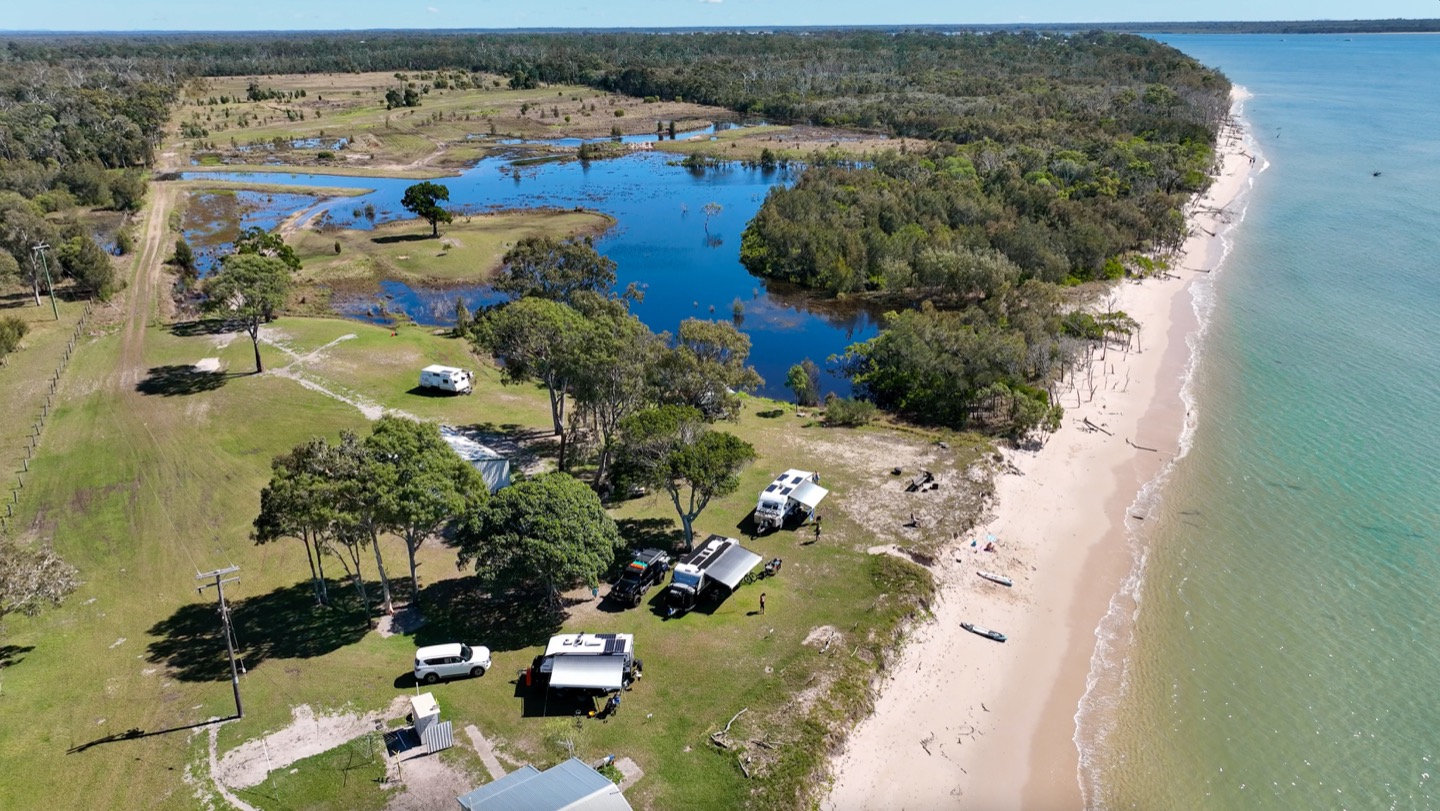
(762, 603)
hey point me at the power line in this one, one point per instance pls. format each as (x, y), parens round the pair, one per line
(219, 585)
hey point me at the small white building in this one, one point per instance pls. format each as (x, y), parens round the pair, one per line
(424, 712)
(493, 467)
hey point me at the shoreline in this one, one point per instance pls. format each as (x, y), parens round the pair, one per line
(994, 726)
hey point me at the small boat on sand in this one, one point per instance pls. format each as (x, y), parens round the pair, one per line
(997, 578)
(985, 632)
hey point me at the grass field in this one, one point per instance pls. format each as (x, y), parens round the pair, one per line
(468, 251)
(142, 483)
(415, 139)
(799, 143)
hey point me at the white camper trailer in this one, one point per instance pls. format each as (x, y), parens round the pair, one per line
(447, 378)
(794, 492)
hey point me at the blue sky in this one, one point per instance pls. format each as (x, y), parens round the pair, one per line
(215, 15)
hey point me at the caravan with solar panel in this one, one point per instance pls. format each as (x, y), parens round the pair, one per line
(793, 494)
(712, 571)
(585, 663)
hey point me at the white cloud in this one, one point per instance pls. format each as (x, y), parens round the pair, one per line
(432, 9)
(713, 2)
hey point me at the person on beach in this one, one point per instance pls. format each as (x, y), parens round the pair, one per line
(762, 603)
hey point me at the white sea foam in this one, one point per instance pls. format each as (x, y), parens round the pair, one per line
(1096, 715)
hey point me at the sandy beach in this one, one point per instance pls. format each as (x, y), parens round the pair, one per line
(966, 722)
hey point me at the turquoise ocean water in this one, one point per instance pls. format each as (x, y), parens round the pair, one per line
(1279, 645)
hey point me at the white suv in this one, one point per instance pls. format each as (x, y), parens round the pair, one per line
(438, 662)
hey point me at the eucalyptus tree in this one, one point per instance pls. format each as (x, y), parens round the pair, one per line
(546, 533)
(421, 485)
(672, 448)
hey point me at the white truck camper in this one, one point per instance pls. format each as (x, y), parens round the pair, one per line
(447, 378)
(794, 492)
(716, 567)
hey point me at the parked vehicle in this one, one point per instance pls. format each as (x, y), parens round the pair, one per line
(437, 662)
(794, 492)
(717, 566)
(447, 378)
(647, 567)
(585, 663)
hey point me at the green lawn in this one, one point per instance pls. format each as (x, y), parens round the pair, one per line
(142, 490)
(468, 251)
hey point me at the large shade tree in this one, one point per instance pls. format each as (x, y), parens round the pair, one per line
(248, 288)
(672, 448)
(543, 534)
(299, 503)
(421, 484)
(705, 367)
(548, 268)
(537, 340)
(423, 200)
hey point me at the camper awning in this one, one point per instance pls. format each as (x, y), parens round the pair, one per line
(590, 672)
(732, 565)
(809, 494)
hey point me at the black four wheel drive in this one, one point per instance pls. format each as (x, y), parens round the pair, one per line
(646, 568)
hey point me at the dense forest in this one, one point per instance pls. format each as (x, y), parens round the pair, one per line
(1041, 159)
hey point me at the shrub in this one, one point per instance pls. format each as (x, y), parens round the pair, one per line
(12, 330)
(619, 113)
(845, 411)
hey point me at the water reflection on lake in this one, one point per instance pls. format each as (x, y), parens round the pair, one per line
(688, 267)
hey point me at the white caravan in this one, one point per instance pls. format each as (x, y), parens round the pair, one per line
(447, 378)
(792, 493)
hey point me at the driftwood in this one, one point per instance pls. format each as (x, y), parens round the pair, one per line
(1139, 447)
(1092, 426)
(717, 738)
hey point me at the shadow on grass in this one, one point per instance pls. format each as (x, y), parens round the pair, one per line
(431, 391)
(179, 381)
(396, 238)
(539, 702)
(202, 326)
(284, 623)
(660, 533)
(458, 611)
(136, 733)
(13, 654)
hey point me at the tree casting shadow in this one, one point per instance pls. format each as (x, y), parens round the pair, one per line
(202, 326)
(459, 611)
(390, 240)
(284, 623)
(660, 533)
(13, 654)
(179, 380)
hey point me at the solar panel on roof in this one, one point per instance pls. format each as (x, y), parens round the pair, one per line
(771, 488)
(786, 491)
(796, 480)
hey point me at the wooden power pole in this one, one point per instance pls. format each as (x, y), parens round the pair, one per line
(219, 586)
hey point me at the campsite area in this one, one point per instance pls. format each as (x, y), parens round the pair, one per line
(148, 470)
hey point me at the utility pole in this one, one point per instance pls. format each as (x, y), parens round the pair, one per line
(39, 250)
(219, 586)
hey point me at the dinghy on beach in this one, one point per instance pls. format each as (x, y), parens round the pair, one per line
(985, 632)
(996, 578)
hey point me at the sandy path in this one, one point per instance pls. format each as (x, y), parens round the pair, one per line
(964, 721)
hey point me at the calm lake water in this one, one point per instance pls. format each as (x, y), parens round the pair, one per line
(1285, 647)
(662, 241)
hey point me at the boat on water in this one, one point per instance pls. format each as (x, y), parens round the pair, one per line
(981, 631)
(996, 578)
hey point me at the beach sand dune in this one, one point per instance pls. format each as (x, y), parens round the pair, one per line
(963, 721)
